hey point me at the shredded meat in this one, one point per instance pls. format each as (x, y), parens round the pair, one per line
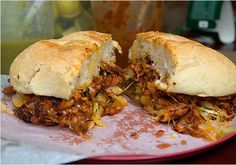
(179, 109)
(182, 110)
(144, 73)
(78, 112)
(189, 122)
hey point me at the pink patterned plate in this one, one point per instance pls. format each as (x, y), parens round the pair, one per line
(128, 136)
(159, 158)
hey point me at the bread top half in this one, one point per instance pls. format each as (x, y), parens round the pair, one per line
(57, 67)
(186, 66)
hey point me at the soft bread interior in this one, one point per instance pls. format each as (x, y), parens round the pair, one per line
(57, 67)
(91, 67)
(185, 66)
(162, 62)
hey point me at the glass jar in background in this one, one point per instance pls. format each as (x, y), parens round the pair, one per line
(23, 23)
(124, 19)
(72, 16)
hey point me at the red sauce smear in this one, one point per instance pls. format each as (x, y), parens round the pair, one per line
(159, 133)
(163, 145)
(134, 135)
(183, 142)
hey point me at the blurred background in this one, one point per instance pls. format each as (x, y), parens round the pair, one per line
(25, 22)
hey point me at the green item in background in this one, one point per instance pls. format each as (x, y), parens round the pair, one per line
(23, 23)
(68, 9)
(9, 50)
(72, 16)
(203, 14)
(58, 30)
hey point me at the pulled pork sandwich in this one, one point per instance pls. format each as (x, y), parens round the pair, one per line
(71, 81)
(182, 82)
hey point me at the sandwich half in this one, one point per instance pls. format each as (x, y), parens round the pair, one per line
(71, 81)
(182, 82)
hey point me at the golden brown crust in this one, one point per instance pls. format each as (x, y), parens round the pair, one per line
(53, 67)
(191, 67)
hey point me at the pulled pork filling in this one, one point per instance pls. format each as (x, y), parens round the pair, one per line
(80, 113)
(198, 116)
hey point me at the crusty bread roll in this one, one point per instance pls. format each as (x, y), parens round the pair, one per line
(57, 67)
(186, 66)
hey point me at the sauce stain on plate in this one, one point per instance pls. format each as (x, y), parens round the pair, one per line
(163, 145)
(71, 139)
(159, 133)
(134, 135)
(183, 142)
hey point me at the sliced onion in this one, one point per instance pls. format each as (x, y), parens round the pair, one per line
(18, 99)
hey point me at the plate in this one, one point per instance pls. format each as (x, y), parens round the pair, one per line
(128, 136)
(159, 158)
